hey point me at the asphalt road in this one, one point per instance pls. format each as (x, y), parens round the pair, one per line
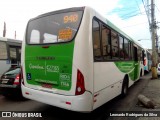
(54, 113)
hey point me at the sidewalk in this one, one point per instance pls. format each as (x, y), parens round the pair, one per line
(151, 91)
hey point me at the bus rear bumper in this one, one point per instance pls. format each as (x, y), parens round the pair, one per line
(80, 103)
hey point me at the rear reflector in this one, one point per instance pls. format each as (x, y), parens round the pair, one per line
(27, 93)
(45, 46)
(68, 103)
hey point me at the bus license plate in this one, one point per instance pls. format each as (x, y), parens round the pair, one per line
(47, 86)
(4, 81)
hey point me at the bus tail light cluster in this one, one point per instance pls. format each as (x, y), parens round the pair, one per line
(80, 86)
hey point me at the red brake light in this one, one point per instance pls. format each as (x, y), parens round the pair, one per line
(16, 81)
(80, 87)
(45, 46)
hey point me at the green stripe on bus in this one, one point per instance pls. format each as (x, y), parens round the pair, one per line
(129, 68)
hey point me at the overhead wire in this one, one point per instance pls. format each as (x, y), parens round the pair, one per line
(157, 8)
(146, 13)
(138, 5)
(130, 14)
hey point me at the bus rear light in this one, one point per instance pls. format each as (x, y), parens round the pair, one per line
(80, 86)
(45, 46)
(95, 100)
(27, 93)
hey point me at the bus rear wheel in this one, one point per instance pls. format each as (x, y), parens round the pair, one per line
(124, 87)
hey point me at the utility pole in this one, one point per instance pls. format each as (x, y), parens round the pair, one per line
(4, 30)
(153, 35)
(15, 35)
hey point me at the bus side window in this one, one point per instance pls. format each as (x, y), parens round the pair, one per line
(121, 50)
(139, 53)
(126, 49)
(106, 43)
(96, 41)
(130, 51)
(114, 42)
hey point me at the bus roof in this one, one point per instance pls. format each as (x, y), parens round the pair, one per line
(59, 11)
(14, 40)
(3, 39)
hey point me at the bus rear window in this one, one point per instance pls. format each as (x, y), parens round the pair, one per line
(53, 28)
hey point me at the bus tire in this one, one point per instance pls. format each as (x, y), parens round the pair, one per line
(141, 73)
(124, 91)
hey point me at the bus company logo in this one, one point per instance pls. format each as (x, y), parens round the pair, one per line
(6, 114)
(31, 66)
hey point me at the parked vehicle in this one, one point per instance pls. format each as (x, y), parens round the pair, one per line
(158, 69)
(10, 82)
(10, 53)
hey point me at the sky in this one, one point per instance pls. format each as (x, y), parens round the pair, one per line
(127, 15)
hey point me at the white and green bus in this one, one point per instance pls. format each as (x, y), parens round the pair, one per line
(10, 53)
(77, 60)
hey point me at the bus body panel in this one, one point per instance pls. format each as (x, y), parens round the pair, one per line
(83, 52)
(81, 103)
(107, 83)
(104, 77)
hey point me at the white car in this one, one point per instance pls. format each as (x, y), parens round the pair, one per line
(158, 69)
